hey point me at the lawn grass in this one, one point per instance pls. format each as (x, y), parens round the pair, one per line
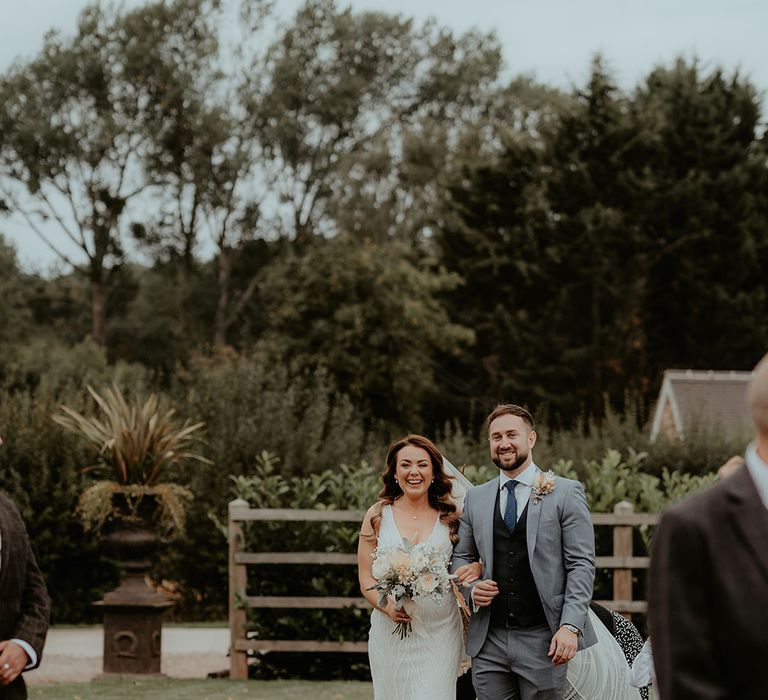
(210, 689)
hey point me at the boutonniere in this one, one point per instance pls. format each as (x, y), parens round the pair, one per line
(543, 485)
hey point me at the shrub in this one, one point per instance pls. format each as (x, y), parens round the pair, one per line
(703, 450)
(249, 408)
(310, 430)
(40, 466)
(40, 471)
(613, 478)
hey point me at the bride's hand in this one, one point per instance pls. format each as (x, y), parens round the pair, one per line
(468, 573)
(395, 614)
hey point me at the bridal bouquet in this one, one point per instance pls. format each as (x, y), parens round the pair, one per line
(408, 571)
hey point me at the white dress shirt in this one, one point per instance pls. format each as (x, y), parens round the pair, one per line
(522, 490)
(24, 645)
(758, 470)
(641, 673)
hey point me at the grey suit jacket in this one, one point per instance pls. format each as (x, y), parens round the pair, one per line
(24, 603)
(561, 548)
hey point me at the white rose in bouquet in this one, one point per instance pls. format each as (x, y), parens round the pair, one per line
(426, 583)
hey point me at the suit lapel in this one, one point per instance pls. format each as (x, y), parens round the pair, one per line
(535, 507)
(5, 543)
(749, 516)
(489, 504)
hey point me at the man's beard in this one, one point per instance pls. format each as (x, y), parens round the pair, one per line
(521, 457)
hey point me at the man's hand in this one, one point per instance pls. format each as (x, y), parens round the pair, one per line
(563, 647)
(13, 660)
(484, 592)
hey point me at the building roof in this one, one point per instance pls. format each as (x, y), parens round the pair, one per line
(702, 398)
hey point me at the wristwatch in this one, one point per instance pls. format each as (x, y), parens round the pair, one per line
(572, 628)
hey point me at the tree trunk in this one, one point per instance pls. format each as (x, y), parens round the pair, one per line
(225, 272)
(596, 332)
(101, 237)
(99, 311)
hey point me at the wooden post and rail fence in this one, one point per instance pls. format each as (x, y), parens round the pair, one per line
(621, 562)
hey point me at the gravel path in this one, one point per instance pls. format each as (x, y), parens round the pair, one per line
(75, 654)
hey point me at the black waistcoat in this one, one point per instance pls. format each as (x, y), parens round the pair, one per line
(517, 596)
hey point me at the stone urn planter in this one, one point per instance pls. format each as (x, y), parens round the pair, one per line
(137, 442)
(133, 611)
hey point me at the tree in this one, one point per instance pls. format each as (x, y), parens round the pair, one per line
(15, 312)
(626, 237)
(538, 232)
(314, 137)
(593, 187)
(202, 145)
(176, 68)
(366, 312)
(69, 149)
(704, 214)
(355, 116)
(494, 237)
(75, 136)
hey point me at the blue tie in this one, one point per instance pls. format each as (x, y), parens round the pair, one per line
(510, 512)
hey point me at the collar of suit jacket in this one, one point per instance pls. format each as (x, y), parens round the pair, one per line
(758, 470)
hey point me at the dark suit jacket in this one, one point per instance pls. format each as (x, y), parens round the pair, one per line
(708, 602)
(24, 603)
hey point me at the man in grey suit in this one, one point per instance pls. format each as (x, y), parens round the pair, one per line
(533, 533)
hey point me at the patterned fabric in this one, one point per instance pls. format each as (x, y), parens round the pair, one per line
(26, 605)
(630, 641)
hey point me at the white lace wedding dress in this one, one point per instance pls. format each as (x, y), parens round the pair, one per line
(424, 665)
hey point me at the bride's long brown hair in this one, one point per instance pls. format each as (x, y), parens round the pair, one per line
(439, 492)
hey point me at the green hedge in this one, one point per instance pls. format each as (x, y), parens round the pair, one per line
(613, 478)
(276, 438)
(246, 407)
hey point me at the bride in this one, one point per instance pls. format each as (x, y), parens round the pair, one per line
(415, 503)
(420, 501)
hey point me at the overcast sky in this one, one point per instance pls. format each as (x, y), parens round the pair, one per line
(552, 39)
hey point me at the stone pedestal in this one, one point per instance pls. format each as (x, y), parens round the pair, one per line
(132, 636)
(133, 612)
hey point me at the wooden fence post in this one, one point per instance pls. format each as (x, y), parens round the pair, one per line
(238, 581)
(622, 548)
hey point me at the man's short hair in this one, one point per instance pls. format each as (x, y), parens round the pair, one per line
(757, 396)
(511, 409)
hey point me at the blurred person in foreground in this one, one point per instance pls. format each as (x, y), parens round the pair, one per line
(708, 603)
(24, 604)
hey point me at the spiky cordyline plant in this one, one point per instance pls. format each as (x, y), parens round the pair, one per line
(136, 441)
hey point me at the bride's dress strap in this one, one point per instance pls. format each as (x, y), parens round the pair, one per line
(388, 532)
